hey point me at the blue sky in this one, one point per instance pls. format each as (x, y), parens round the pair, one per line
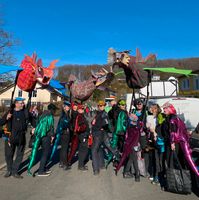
(80, 32)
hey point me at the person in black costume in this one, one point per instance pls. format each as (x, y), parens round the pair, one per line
(15, 126)
(99, 127)
(82, 131)
(74, 137)
(64, 126)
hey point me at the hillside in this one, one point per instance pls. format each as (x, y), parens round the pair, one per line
(186, 63)
(84, 71)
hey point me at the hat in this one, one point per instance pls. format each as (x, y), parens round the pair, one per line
(19, 99)
(67, 103)
(122, 103)
(74, 103)
(52, 106)
(138, 101)
(101, 103)
(80, 106)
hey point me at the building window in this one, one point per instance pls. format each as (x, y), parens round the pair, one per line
(185, 84)
(34, 93)
(7, 102)
(20, 93)
(196, 83)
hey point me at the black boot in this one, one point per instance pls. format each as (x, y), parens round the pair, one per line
(137, 178)
(96, 172)
(67, 167)
(8, 174)
(127, 175)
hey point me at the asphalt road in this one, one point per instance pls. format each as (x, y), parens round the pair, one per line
(76, 185)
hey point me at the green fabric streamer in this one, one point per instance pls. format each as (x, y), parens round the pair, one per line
(45, 125)
(120, 128)
(33, 154)
(63, 122)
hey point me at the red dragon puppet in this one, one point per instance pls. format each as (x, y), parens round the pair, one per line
(33, 72)
(82, 90)
(133, 66)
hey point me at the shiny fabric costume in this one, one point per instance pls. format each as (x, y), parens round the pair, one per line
(45, 125)
(178, 134)
(134, 129)
(132, 139)
(120, 127)
(62, 125)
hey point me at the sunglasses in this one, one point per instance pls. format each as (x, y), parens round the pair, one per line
(20, 103)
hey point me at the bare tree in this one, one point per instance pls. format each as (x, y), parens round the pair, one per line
(7, 42)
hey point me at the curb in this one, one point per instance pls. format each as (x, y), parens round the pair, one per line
(25, 153)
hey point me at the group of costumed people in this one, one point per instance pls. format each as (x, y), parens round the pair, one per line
(117, 136)
(121, 137)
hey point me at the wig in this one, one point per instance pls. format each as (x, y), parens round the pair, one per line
(170, 108)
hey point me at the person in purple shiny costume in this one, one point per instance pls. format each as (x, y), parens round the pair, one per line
(131, 142)
(179, 135)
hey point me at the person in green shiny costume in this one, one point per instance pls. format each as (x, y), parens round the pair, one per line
(119, 132)
(44, 133)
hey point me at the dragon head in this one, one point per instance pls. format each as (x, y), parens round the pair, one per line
(118, 58)
(43, 74)
(124, 58)
(102, 76)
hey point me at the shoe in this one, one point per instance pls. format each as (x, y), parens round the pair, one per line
(48, 171)
(127, 175)
(66, 167)
(86, 166)
(17, 176)
(43, 174)
(115, 163)
(155, 182)
(96, 172)
(61, 165)
(150, 178)
(7, 174)
(137, 178)
(83, 169)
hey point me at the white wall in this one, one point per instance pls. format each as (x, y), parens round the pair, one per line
(43, 96)
(161, 88)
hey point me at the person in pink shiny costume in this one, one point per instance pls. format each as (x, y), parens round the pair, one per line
(179, 135)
